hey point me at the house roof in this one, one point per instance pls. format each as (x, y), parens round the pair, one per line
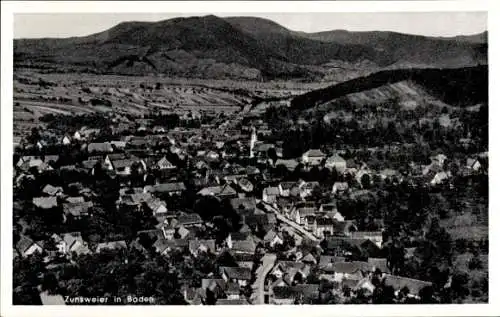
(153, 234)
(195, 244)
(116, 156)
(341, 185)
(351, 267)
(335, 158)
(399, 282)
(45, 202)
(77, 209)
(239, 273)
(169, 187)
(272, 191)
(290, 164)
(271, 234)
(244, 246)
(211, 283)
(89, 164)
(99, 147)
(379, 263)
(51, 158)
(186, 219)
(287, 185)
(329, 259)
(78, 199)
(246, 203)
(23, 244)
(306, 211)
(121, 163)
(52, 190)
(112, 245)
(314, 153)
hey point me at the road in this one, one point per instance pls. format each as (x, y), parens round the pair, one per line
(291, 223)
(258, 291)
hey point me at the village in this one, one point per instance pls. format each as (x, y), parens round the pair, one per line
(222, 207)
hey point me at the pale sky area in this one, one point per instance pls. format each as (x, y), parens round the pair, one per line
(423, 23)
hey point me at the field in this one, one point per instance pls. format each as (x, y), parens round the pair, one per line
(37, 94)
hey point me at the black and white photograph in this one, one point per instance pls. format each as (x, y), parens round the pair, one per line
(248, 158)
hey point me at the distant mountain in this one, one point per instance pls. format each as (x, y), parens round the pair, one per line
(241, 47)
(457, 87)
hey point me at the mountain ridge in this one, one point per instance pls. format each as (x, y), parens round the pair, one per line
(240, 47)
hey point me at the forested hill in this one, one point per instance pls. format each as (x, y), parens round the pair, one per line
(457, 86)
(243, 47)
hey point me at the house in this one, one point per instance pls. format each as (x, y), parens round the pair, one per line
(164, 246)
(299, 214)
(380, 264)
(111, 245)
(134, 199)
(67, 243)
(273, 238)
(354, 270)
(215, 285)
(306, 188)
(270, 194)
(232, 291)
(308, 259)
(225, 191)
(49, 299)
(192, 295)
(313, 157)
(390, 174)
(164, 164)
(242, 206)
(339, 188)
(189, 220)
(45, 202)
(285, 187)
(119, 144)
(324, 226)
(197, 246)
(66, 140)
(157, 207)
(25, 246)
(330, 210)
(288, 295)
(440, 178)
(473, 164)
(122, 167)
(108, 160)
(375, 236)
(336, 162)
(439, 159)
(399, 282)
(77, 199)
(169, 188)
(290, 271)
(52, 191)
(239, 275)
(245, 185)
(100, 148)
(77, 135)
(290, 164)
(242, 246)
(77, 210)
(212, 156)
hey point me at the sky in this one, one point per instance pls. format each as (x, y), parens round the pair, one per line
(39, 25)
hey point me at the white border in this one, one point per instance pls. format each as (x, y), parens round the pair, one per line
(213, 7)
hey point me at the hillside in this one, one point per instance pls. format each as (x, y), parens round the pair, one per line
(457, 87)
(241, 48)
